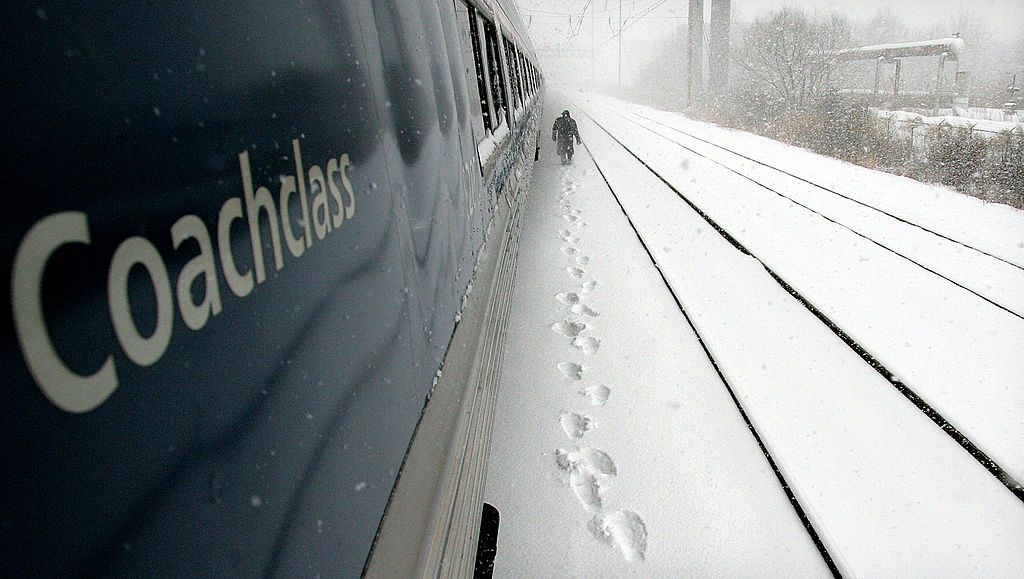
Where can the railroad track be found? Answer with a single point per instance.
(994, 301)
(801, 512)
(832, 191)
(1002, 475)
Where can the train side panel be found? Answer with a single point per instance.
(236, 241)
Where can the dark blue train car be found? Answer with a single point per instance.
(238, 243)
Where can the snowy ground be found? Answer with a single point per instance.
(620, 450)
(954, 348)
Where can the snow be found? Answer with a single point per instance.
(984, 128)
(995, 228)
(996, 280)
(688, 491)
(990, 114)
(646, 406)
(490, 143)
(950, 346)
(953, 46)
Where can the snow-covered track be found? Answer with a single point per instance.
(1000, 473)
(1016, 280)
(793, 499)
(828, 190)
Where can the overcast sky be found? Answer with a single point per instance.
(1005, 17)
(550, 23)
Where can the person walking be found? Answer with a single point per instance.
(563, 132)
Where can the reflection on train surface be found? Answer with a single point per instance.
(240, 243)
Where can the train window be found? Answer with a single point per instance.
(526, 74)
(520, 79)
(483, 72)
(497, 75)
(517, 61)
(513, 73)
(469, 41)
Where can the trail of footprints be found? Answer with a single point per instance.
(586, 469)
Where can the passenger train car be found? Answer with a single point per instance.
(257, 260)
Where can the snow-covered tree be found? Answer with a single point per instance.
(787, 54)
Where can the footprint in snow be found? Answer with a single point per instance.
(570, 218)
(570, 250)
(582, 261)
(583, 310)
(586, 344)
(587, 490)
(584, 467)
(565, 234)
(576, 272)
(585, 459)
(569, 328)
(623, 528)
(598, 394)
(576, 425)
(569, 298)
(587, 287)
(571, 370)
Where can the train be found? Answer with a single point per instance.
(258, 260)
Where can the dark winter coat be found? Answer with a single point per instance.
(563, 132)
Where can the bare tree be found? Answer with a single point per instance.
(788, 54)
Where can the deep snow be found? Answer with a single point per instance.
(617, 448)
(957, 351)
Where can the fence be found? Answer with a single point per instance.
(977, 160)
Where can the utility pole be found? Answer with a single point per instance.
(718, 47)
(593, 33)
(620, 44)
(694, 50)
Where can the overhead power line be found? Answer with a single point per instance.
(583, 12)
(625, 26)
(559, 17)
(555, 13)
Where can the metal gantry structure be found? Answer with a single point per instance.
(947, 50)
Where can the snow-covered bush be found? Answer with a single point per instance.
(956, 157)
(1009, 172)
